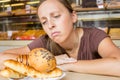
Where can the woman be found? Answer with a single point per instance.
(92, 48)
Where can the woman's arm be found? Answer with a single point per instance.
(108, 65)
(63, 59)
(6, 56)
(19, 51)
(99, 66)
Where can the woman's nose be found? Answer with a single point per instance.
(51, 24)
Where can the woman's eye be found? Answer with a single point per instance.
(43, 22)
(57, 16)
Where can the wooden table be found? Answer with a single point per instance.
(79, 76)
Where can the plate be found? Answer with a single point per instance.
(29, 78)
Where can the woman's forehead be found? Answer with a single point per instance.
(51, 4)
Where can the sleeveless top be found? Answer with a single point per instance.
(88, 46)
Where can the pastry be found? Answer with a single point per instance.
(29, 71)
(42, 60)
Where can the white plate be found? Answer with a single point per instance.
(29, 78)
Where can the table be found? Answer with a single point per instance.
(80, 76)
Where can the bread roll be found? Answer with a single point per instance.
(29, 71)
(42, 60)
(9, 73)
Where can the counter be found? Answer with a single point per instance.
(14, 44)
(80, 76)
(8, 44)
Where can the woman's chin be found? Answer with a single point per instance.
(57, 41)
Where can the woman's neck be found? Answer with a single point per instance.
(73, 42)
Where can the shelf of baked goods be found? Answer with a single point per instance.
(21, 34)
(80, 9)
(31, 10)
(22, 27)
(96, 9)
(18, 12)
(97, 5)
(18, 7)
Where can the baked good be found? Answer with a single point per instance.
(42, 60)
(40, 63)
(23, 59)
(29, 71)
(9, 73)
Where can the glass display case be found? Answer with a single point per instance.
(106, 17)
(19, 22)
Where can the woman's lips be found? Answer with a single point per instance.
(55, 34)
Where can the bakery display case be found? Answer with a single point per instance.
(106, 17)
(19, 23)
(18, 20)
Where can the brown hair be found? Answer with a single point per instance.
(51, 45)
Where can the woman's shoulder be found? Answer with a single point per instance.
(94, 33)
(43, 37)
(93, 29)
(39, 42)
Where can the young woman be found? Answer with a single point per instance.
(85, 50)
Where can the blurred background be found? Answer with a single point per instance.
(19, 23)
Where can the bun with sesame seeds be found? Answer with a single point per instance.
(42, 60)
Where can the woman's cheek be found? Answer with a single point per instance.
(46, 30)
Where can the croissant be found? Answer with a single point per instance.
(29, 71)
(40, 59)
(23, 59)
(9, 73)
(40, 63)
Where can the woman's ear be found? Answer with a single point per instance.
(74, 17)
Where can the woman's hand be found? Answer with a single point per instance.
(64, 67)
(6, 56)
(63, 62)
(64, 59)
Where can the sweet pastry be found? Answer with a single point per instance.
(9, 73)
(42, 60)
(29, 71)
(40, 63)
(23, 59)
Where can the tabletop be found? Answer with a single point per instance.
(80, 76)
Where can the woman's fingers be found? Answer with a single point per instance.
(70, 60)
(65, 61)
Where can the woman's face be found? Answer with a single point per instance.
(56, 20)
